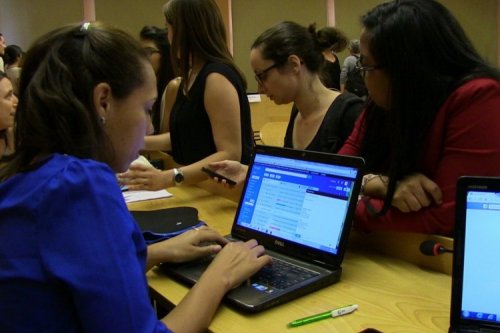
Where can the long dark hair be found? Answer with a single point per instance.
(426, 55)
(198, 30)
(165, 72)
(56, 112)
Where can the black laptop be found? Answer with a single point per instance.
(299, 205)
(475, 301)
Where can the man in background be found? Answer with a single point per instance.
(350, 77)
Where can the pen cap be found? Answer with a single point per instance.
(344, 310)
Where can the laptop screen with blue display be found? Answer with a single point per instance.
(291, 199)
(481, 271)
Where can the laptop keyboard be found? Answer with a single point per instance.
(281, 275)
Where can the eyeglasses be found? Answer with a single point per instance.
(364, 69)
(150, 51)
(261, 76)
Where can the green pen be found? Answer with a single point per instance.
(329, 314)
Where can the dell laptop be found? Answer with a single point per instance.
(300, 206)
(475, 300)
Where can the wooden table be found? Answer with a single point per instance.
(273, 133)
(267, 111)
(393, 295)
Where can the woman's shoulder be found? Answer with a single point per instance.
(477, 100)
(62, 178)
(477, 87)
(174, 83)
(171, 90)
(347, 102)
(67, 161)
(66, 170)
(226, 71)
(223, 69)
(478, 84)
(217, 66)
(474, 92)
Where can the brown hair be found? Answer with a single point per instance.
(198, 30)
(56, 113)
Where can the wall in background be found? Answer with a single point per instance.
(479, 18)
(130, 15)
(249, 18)
(22, 26)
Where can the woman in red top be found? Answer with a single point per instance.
(433, 116)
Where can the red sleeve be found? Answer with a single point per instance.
(352, 144)
(464, 140)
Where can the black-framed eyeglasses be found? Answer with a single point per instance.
(261, 76)
(364, 69)
(150, 50)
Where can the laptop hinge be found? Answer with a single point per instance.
(326, 265)
(475, 329)
(488, 330)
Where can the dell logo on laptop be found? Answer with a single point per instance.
(479, 187)
(279, 243)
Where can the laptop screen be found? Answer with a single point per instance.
(300, 201)
(481, 270)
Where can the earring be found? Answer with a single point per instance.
(103, 120)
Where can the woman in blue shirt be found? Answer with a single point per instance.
(71, 257)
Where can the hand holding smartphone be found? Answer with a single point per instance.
(213, 174)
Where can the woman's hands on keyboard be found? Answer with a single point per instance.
(193, 244)
(236, 262)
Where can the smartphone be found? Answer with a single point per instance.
(212, 174)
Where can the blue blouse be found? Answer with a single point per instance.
(71, 257)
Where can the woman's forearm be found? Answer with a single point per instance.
(158, 142)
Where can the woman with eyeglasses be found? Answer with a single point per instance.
(287, 60)
(72, 258)
(210, 118)
(154, 41)
(431, 117)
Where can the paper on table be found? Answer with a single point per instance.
(253, 98)
(133, 196)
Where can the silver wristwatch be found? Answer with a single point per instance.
(178, 176)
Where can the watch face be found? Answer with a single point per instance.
(179, 178)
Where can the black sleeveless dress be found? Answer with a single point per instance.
(190, 130)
